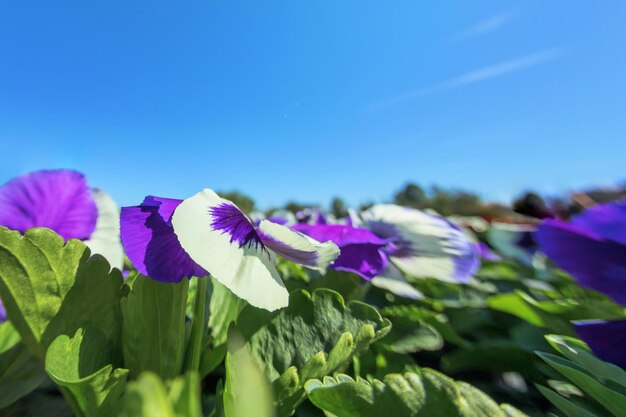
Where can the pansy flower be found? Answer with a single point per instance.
(170, 239)
(62, 201)
(424, 244)
(591, 247)
(605, 338)
(400, 240)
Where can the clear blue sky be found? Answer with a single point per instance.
(311, 99)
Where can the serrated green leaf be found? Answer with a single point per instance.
(436, 320)
(149, 396)
(423, 393)
(315, 336)
(81, 366)
(20, 372)
(50, 289)
(153, 327)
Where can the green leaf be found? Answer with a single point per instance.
(153, 328)
(423, 393)
(612, 400)
(315, 336)
(149, 396)
(20, 372)
(566, 406)
(555, 314)
(224, 308)
(81, 366)
(495, 356)
(247, 392)
(408, 336)
(577, 351)
(50, 289)
(420, 316)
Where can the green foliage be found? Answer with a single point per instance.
(313, 337)
(81, 367)
(603, 384)
(247, 392)
(224, 308)
(557, 313)
(413, 394)
(51, 289)
(338, 207)
(20, 372)
(149, 396)
(444, 201)
(153, 327)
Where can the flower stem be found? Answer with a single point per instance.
(198, 326)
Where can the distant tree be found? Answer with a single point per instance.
(338, 207)
(365, 206)
(531, 204)
(411, 195)
(444, 201)
(295, 207)
(245, 203)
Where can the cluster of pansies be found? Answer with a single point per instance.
(170, 239)
(435, 275)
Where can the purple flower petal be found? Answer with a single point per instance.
(486, 253)
(3, 313)
(361, 250)
(596, 263)
(606, 220)
(605, 338)
(58, 199)
(151, 244)
(296, 246)
(228, 219)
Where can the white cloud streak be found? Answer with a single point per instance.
(482, 74)
(488, 25)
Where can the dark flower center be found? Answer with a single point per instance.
(229, 219)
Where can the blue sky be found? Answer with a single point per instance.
(307, 100)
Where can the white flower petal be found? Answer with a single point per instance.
(244, 267)
(105, 240)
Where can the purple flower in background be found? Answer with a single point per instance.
(362, 252)
(605, 338)
(424, 244)
(591, 247)
(58, 199)
(487, 254)
(62, 201)
(400, 240)
(171, 239)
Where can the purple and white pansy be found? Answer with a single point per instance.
(400, 240)
(424, 244)
(62, 201)
(170, 239)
